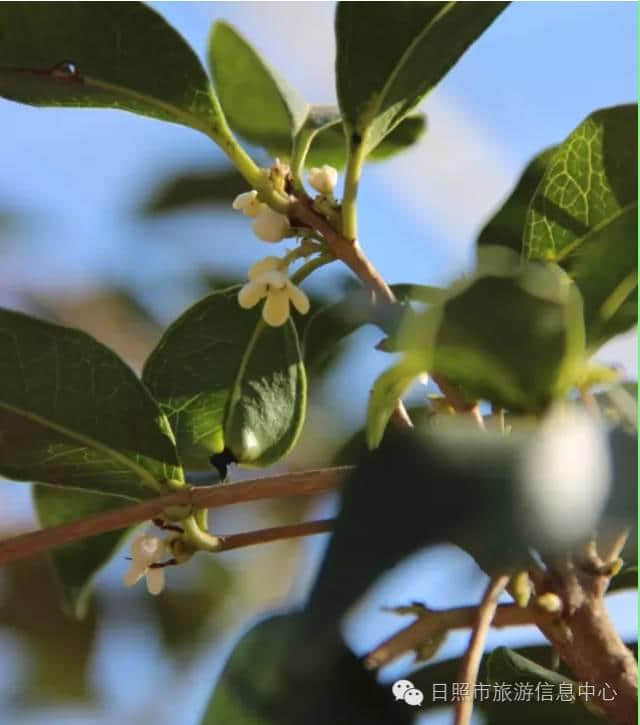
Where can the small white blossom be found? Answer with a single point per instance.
(323, 179)
(267, 279)
(146, 550)
(248, 203)
(269, 225)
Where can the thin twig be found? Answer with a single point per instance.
(473, 656)
(275, 533)
(433, 622)
(305, 483)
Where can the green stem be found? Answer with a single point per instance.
(311, 266)
(301, 146)
(222, 135)
(197, 538)
(352, 178)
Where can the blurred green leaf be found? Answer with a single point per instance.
(268, 401)
(506, 226)
(390, 54)
(215, 187)
(453, 484)
(77, 564)
(584, 216)
(58, 649)
(72, 414)
(511, 334)
(269, 680)
(184, 615)
(434, 678)
(258, 103)
(108, 55)
(224, 379)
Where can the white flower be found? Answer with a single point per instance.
(248, 203)
(269, 225)
(266, 279)
(146, 550)
(323, 179)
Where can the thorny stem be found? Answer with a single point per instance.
(473, 656)
(305, 483)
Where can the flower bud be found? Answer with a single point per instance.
(323, 179)
(270, 226)
(248, 203)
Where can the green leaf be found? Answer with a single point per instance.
(215, 187)
(267, 405)
(329, 145)
(390, 54)
(77, 564)
(584, 216)
(510, 334)
(218, 357)
(271, 678)
(103, 55)
(72, 414)
(258, 103)
(506, 226)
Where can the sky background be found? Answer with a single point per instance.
(78, 176)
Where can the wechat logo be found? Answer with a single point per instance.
(404, 690)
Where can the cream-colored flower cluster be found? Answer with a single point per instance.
(268, 225)
(268, 279)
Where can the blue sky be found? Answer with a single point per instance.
(538, 71)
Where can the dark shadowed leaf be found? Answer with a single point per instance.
(270, 680)
(77, 564)
(584, 216)
(258, 103)
(103, 54)
(203, 357)
(72, 414)
(390, 54)
(507, 225)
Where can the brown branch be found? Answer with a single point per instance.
(586, 639)
(305, 483)
(434, 622)
(275, 533)
(473, 656)
(350, 252)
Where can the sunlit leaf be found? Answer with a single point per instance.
(103, 54)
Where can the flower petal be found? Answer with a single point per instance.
(248, 203)
(276, 309)
(155, 581)
(147, 549)
(264, 265)
(133, 574)
(251, 294)
(298, 298)
(275, 279)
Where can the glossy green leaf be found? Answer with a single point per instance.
(268, 401)
(258, 103)
(77, 564)
(72, 414)
(506, 226)
(390, 54)
(200, 368)
(217, 188)
(272, 678)
(103, 54)
(584, 216)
